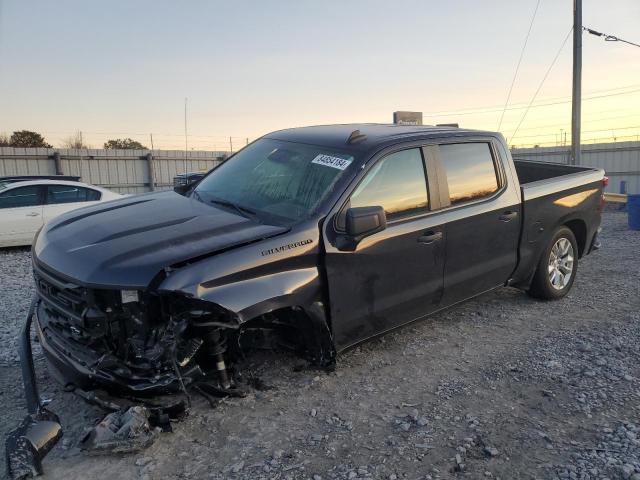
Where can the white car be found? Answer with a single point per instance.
(27, 205)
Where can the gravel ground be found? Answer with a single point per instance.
(502, 386)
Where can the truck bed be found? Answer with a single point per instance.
(530, 171)
(552, 195)
(542, 178)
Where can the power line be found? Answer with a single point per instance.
(542, 82)
(513, 81)
(567, 123)
(608, 90)
(480, 110)
(609, 38)
(588, 131)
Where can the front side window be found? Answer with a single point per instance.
(396, 183)
(20, 197)
(70, 194)
(471, 173)
(278, 181)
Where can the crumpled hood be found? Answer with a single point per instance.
(125, 243)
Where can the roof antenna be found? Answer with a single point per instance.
(356, 137)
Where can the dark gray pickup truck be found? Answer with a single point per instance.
(310, 239)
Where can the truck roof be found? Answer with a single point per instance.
(376, 135)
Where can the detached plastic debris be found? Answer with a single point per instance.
(121, 432)
(28, 444)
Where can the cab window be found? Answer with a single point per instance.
(397, 183)
(70, 194)
(28, 196)
(470, 170)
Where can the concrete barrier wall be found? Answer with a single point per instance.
(620, 160)
(123, 171)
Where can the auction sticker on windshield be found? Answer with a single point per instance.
(333, 162)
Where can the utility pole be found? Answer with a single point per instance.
(577, 82)
(186, 141)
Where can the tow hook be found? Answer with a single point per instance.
(27, 445)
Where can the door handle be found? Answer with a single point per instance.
(32, 214)
(508, 216)
(430, 237)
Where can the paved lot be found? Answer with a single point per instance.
(502, 386)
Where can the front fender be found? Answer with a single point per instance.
(256, 296)
(256, 279)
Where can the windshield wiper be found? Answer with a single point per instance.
(244, 211)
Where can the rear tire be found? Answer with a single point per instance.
(556, 271)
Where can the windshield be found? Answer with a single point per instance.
(274, 179)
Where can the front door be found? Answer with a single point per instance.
(20, 215)
(394, 276)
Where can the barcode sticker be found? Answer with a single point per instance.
(333, 162)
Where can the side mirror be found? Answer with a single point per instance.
(182, 189)
(363, 221)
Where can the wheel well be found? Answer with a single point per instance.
(579, 229)
(304, 329)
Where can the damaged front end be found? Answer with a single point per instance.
(121, 348)
(128, 342)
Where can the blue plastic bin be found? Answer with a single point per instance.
(633, 209)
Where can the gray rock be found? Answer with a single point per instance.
(627, 471)
(142, 461)
(491, 451)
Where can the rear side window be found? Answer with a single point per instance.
(396, 183)
(70, 194)
(471, 172)
(20, 197)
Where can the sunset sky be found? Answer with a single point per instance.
(123, 68)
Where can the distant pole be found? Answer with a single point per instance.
(151, 138)
(186, 144)
(577, 82)
(57, 162)
(151, 171)
(80, 146)
(231, 144)
(247, 140)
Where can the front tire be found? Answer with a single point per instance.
(557, 268)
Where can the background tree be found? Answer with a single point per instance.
(26, 138)
(124, 144)
(74, 141)
(4, 140)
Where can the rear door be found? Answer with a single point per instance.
(394, 276)
(20, 215)
(483, 219)
(62, 198)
